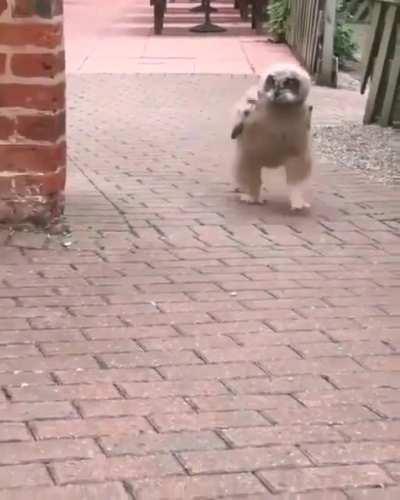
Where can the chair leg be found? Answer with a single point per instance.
(159, 12)
(244, 10)
(257, 16)
(266, 5)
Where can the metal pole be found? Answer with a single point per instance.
(207, 26)
(201, 8)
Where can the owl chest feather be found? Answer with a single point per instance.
(274, 133)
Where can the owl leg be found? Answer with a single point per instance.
(248, 181)
(298, 171)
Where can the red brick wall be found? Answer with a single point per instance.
(32, 110)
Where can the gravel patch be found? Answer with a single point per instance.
(349, 80)
(370, 148)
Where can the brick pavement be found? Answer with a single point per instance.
(180, 345)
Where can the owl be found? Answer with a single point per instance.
(272, 128)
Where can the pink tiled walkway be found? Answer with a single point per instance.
(105, 36)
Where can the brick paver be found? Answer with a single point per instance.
(180, 345)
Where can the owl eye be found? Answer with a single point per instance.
(269, 82)
(292, 83)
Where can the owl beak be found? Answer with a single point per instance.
(277, 94)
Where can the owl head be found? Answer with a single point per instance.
(285, 83)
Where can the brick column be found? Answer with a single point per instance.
(32, 110)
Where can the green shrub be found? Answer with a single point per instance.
(345, 47)
(278, 14)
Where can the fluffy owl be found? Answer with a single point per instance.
(272, 129)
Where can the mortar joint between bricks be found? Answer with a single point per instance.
(224, 383)
(51, 472)
(299, 231)
(139, 343)
(268, 418)
(189, 401)
(17, 301)
(301, 315)
(128, 490)
(268, 486)
(263, 368)
(175, 327)
(293, 395)
(86, 336)
(53, 376)
(153, 425)
(159, 372)
(375, 412)
(296, 351)
(389, 345)
(121, 390)
(70, 312)
(147, 418)
(39, 347)
(233, 338)
(124, 321)
(388, 472)
(382, 308)
(102, 364)
(299, 447)
(7, 395)
(266, 323)
(103, 450)
(357, 362)
(336, 427)
(182, 464)
(326, 300)
(327, 334)
(110, 201)
(106, 300)
(76, 407)
(225, 439)
(31, 429)
(328, 379)
(202, 358)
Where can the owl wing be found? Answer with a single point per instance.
(237, 130)
(309, 116)
(244, 109)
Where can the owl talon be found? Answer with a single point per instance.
(297, 201)
(299, 205)
(251, 200)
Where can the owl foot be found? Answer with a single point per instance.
(297, 201)
(300, 206)
(252, 200)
